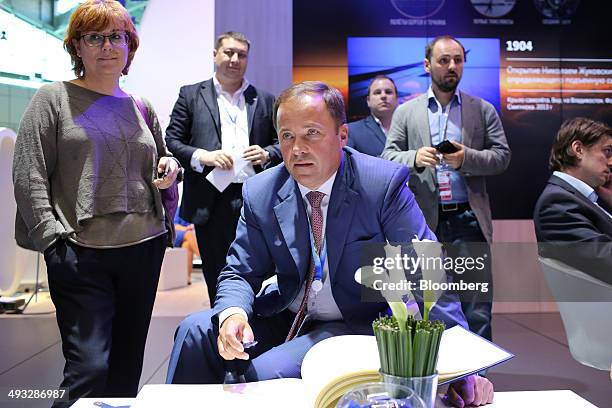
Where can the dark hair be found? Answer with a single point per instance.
(94, 15)
(429, 47)
(586, 131)
(233, 35)
(377, 77)
(332, 97)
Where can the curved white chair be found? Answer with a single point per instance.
(10, 275)
(588, 324)
(174, 272)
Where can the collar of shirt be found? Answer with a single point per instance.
(579, 185)
(325, 188)
(431, 98)
(235, 98)
(379, 124)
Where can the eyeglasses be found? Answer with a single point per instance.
(118, 39)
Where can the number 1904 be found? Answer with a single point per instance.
(519, 45)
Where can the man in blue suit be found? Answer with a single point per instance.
(369, 135)
(307, 222)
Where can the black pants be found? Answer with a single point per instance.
(215, 237)
(104, 300)
(462, 231)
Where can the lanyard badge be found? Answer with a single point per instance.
(318, 260)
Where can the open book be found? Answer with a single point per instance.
(330, 369)
(335, 365)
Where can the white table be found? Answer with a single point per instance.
(114, 402)
(291, 392)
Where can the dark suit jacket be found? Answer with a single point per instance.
(195, 123)
(370, 203)
(366, 136)
(581, 232)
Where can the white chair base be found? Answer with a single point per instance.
(174, 272)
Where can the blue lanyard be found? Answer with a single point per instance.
(317, 258)
(234, 119)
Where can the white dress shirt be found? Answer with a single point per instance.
(234, 127)
(321, 306)
(582, 187)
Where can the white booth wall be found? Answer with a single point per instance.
(176, 43)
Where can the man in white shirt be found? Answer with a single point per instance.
(216, 124)
(573, 216)
(308, 222)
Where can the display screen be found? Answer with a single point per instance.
(539, 62)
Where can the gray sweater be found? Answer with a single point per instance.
(83, 170)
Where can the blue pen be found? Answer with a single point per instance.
(105, 405)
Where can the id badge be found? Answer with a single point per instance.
(446, 194)
(443, 179)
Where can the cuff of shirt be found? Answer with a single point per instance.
(231, 311)
(195, 161)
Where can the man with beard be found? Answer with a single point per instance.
(449, 183)
(369, 135)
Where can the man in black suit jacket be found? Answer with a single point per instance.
(574, 212)
(369, 135)
(213, 124)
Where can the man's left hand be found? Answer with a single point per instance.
(170, 168)
(473, 390)
(255, 154)
(455, 160)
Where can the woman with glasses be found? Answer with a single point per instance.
(88, 195)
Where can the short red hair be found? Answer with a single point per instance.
(96, 15)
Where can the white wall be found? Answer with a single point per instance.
(176, 43)
(268, 24)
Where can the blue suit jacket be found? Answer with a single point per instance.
(370, 203)
(366, 136)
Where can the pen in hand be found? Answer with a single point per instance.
(234, 369)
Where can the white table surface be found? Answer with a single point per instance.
(114, 402)
(177, 396)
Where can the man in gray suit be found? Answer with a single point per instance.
(449, 187)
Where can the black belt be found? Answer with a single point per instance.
(453, 208)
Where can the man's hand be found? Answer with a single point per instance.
(605, 191)
(455, 160)
(473, 390)
(169, 168)
(216, 158)
(234, 331)
(256, 155)
(426, 157)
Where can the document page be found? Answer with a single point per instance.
(222, 178)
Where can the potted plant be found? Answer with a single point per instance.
(407, 345)
(408, 350)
